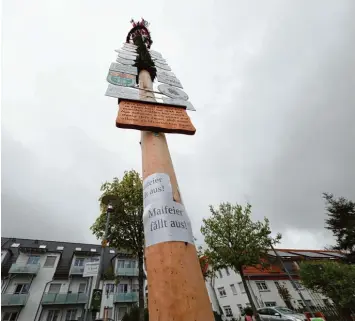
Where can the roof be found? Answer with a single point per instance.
(290, 257)
(66, 254)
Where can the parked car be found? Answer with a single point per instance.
(280, 314)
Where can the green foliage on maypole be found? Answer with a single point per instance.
(144, 60)
(140, 36)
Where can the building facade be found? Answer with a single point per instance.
(43, 281)
(228, 296)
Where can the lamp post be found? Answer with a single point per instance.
(109, 201)
(292, 281)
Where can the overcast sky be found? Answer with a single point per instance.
(272, 82)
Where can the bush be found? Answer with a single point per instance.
(217, 317)
(133, 315)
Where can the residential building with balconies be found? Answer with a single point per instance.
(44, 281)
(121, 291)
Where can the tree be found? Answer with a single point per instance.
(126, 222)
(234, 240)
(285, 295)
(341, 221)
(333, 279)
(134, 314)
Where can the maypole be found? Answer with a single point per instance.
(176, 287)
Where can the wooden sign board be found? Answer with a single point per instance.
(150, 116)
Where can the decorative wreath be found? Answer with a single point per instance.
(139, 35)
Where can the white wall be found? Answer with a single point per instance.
(4, 254)
(107, 300)
(44, 275)
(259, 296)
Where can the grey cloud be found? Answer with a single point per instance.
(273, 87)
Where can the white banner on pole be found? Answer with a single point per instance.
(91, 269)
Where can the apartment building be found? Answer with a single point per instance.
(227, 292)
(43, 280)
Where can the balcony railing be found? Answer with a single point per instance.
(10, 299)
(127, 271)
(125, 297)
(21, 268)
(64, 298)
(76, 270)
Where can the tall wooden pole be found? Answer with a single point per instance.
(176, 288)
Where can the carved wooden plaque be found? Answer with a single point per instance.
(154, 117)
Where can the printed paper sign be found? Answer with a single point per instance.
(164, 219)
(157, 187)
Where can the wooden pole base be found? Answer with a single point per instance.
(176, 288)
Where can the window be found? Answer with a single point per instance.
(93, 250)
(262, 286)
(273, 312)
(22, 288)
(227, 271)
(222, 292)
(297, 285)
(135, 287)
(110, 288)
(234, 290)
(71, 314)
(122, 288)
(264, 311)
(79, 261)
(228, 311)
(112, 251)
(130, 264)
(54, 288)
(50, 261)
(241, 287)
(15, 245)
(120, 264)
(220, 274)
(33, 259)
(60, 248)
(270, 304)
(78, 249)
(82, 288)
(240, 307)
(53, 315)
(42, 246)
(10, 316)
(95, 259)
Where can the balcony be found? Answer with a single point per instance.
(125, 297)
(127, 271)
(76, 270)
(23, 268)
(64, 298)
(10, 299)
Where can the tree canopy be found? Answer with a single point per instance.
(234, 240)
(126, 222)
(333, 279)
(341, 221)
